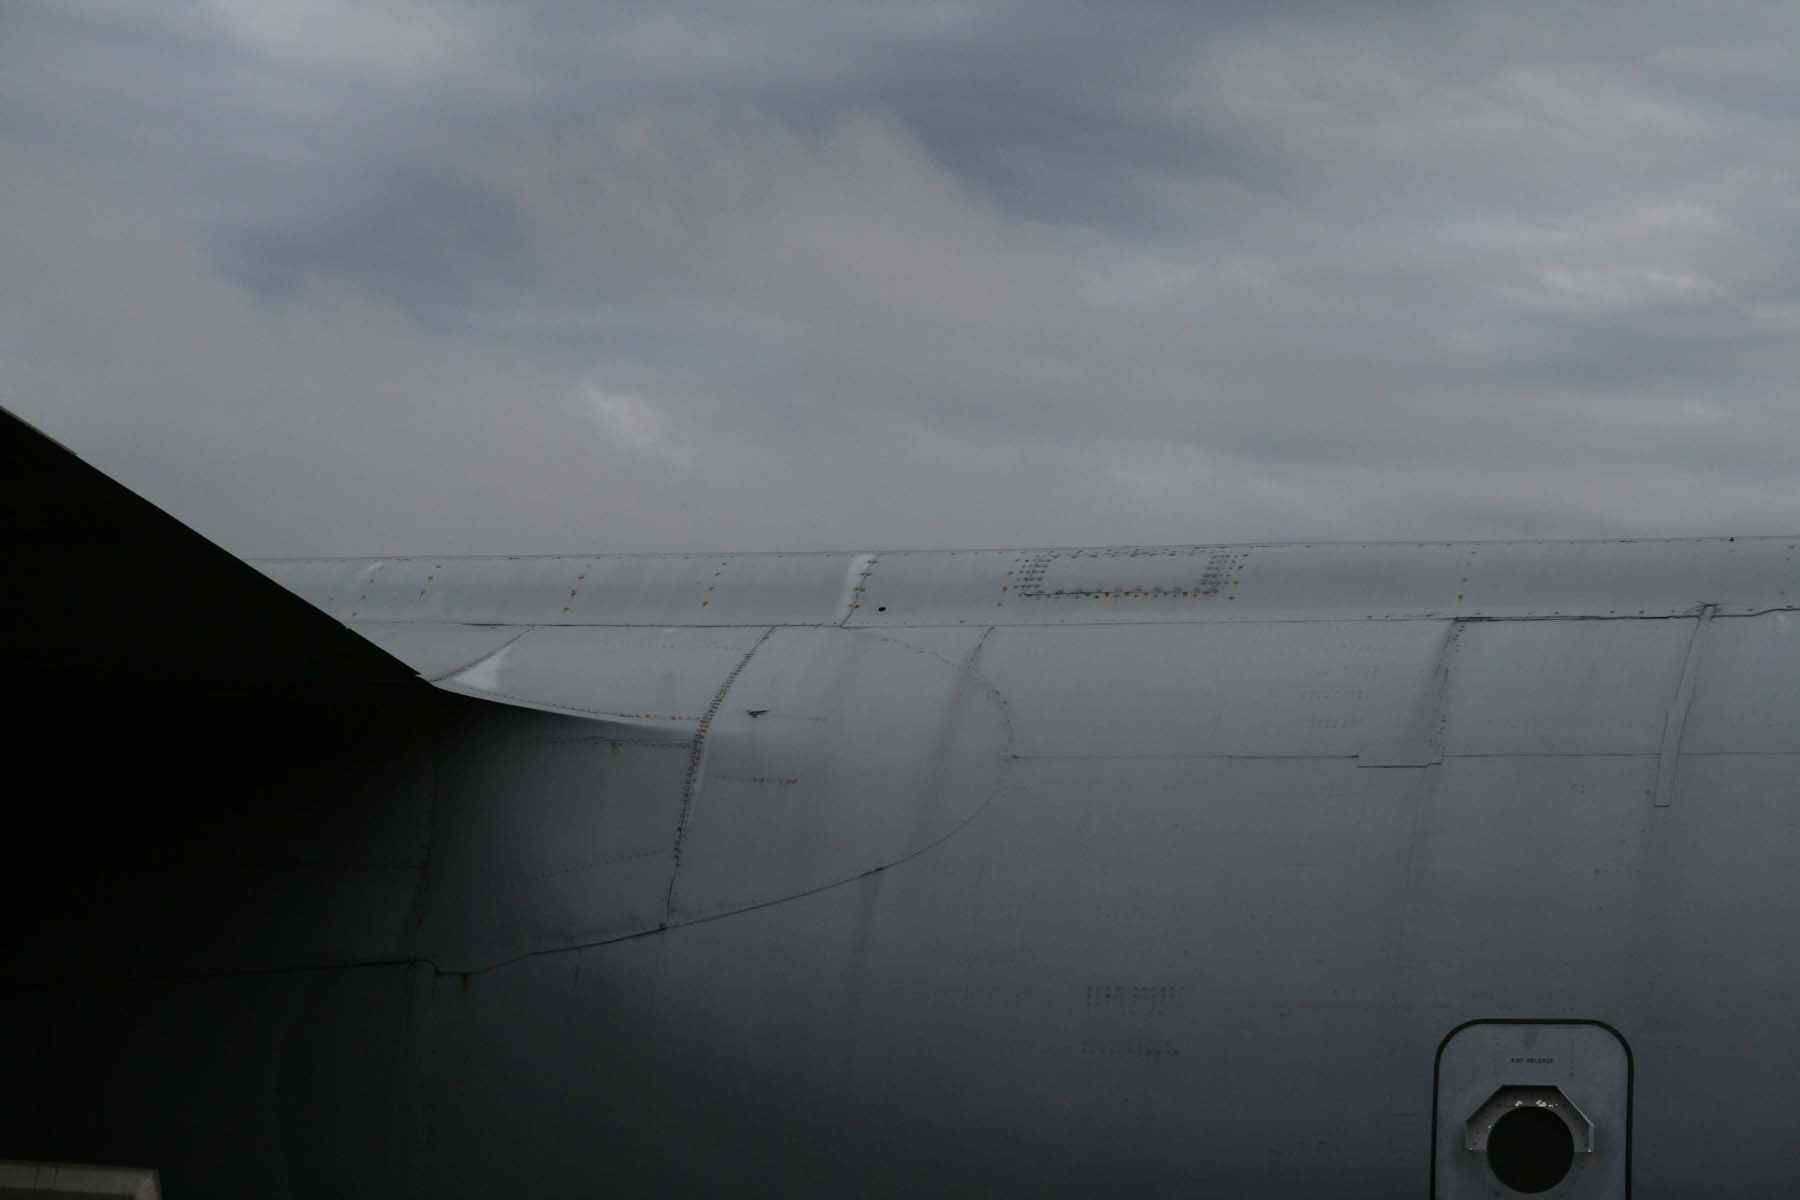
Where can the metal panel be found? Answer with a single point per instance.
(1380, 580)
(1563, 687)
(835, 753)
(1747, 692)
(643, 677)
(339, 586)
(479, 591)
(1282, 689)
(1525, 883)
(548, 832)
(1578, 1075)
(1710, 1014)
(1069, 996)
(436, 649)
(1107, 585)
(1131, 573)
(742, 589)
(1645, 577)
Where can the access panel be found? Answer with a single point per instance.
(1532, 1108)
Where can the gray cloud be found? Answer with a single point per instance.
(336, 278)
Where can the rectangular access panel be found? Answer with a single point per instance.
(1532, 1108)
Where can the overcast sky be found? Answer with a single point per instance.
(369, 278)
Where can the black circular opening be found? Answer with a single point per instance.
(1530, 1149)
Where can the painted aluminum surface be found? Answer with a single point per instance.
(1088, 586)
(1578, 1072)
(1156, 871)
(1212, 847)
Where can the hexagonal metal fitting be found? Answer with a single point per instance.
(1504, 1100)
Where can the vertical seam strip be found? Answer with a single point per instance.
(1669, 756)
(690, 782)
